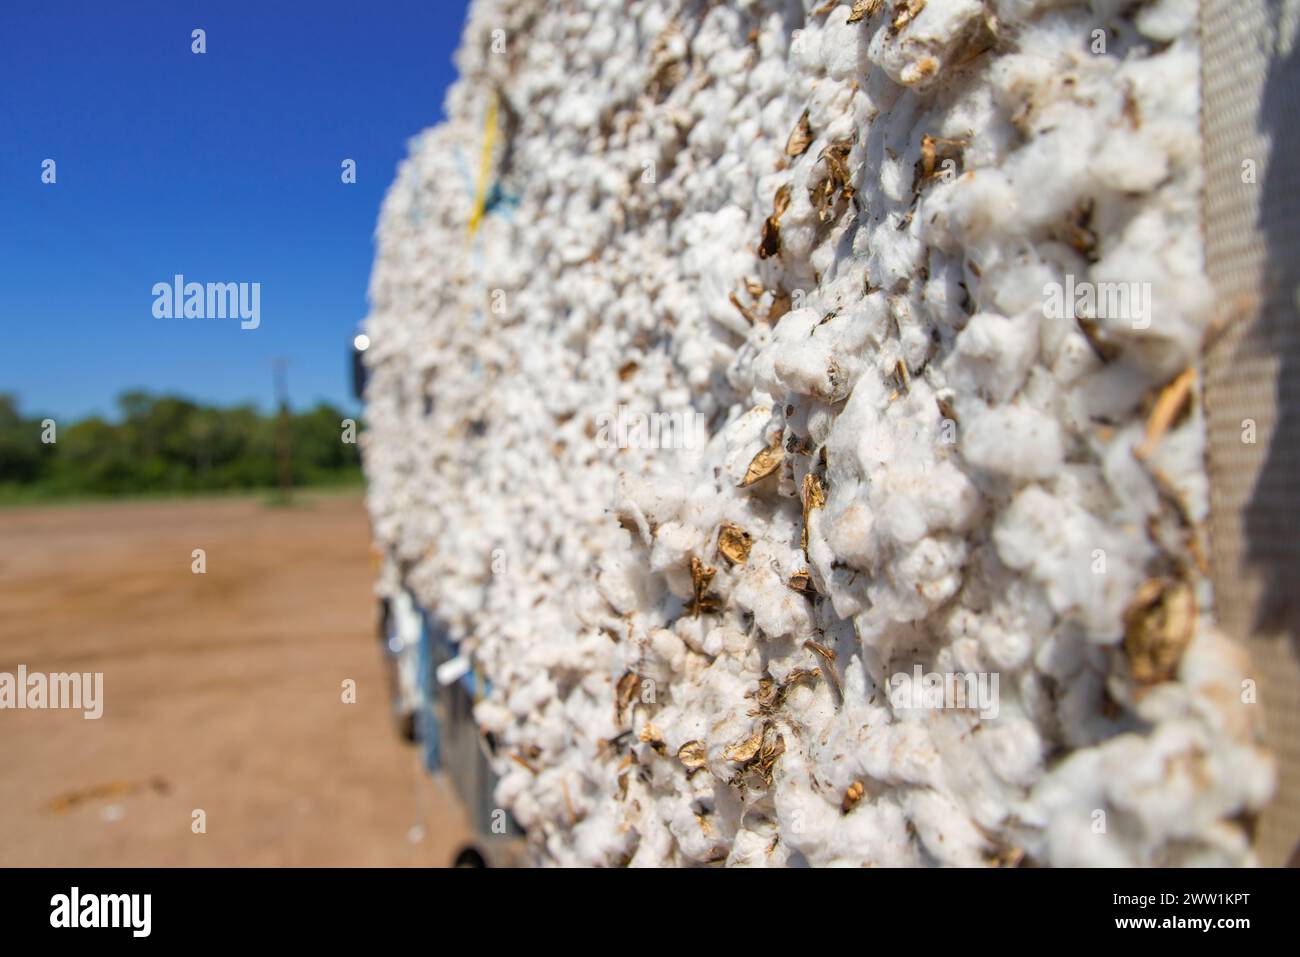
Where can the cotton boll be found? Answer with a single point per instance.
(618, 586)
(654, 848)
(807, 819)
(1013, 748)
(1069, 809)
(527, 697)
(979, 204)
(932, 567)
(914, 56)
(1089, 570)
(674, 544)
(1014, 441)
(778, 610)
(1129, 164)
(492, 717)
(806, 48)
(841, 47)
(1166, 20)
(669, 648)
(1058, 166)
(766, 80)
(850, 535)
(758, 848)
(947, 834)
(993, 354)
(807, 367)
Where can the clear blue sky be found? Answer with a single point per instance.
(224, 167)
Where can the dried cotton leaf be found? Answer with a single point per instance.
(1158, 625)
(863, 9)
(693, 755)
(745, 751)
(701, 578)
(763, 464)
(734, 543)
(814, 496)
(904, 13)
(801, 137)
(625, 693)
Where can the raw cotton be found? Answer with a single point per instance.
(805, 350)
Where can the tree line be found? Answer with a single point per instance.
(162, 444)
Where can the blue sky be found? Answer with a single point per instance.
(224, 167)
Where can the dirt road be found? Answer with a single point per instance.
(222, 692)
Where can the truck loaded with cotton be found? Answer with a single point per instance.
(785, 430)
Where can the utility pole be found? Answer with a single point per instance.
(282, 439)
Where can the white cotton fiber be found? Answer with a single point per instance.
(745, 404)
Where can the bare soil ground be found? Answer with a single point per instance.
(222, 691)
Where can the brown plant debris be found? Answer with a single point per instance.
(744, 310)
(771, 696)
(801, 137)
(901, 373)
(1171, 405)
(772, 748)
(1007, 857)
(745, 750)
(625, 694)
(769, 243)
(757, 754)
(734, 543)
(668, 71)
(980, 40)
(693, 755)
(905, 11)
(1106, 350)
(814, 496)
(828, 655)
(935, 152)
(781, 201)
(1171, 496)
(852, 796)
(72, 799)
(652, 736)
(1077, 231)
(701, 579)
(863, 9)
(781, 304)
(821, 650)
(1132, 110)
(523, 762)
(767, 696)
(802, 583)
(1158, 625)
(831, 191)
(705, 824)
(763, 464)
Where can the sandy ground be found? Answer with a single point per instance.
(222, 692)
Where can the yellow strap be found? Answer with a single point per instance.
(485, 163)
